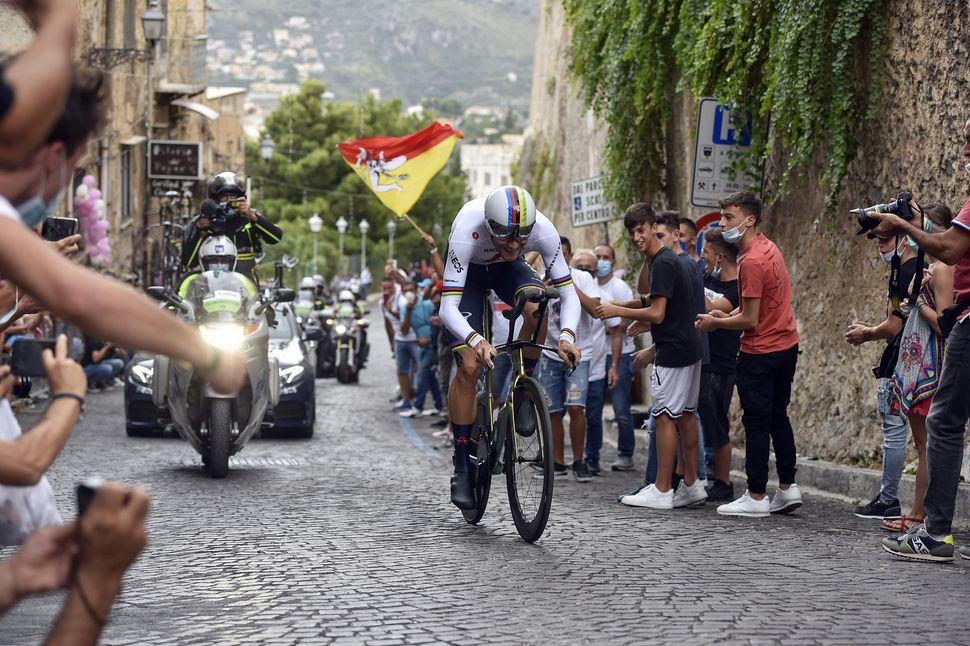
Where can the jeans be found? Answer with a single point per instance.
(650, 473)
(894, 438)
(626, 441)
(945, 426)
(407, 353)
(103, 372)
(428, 378)
(764, 388)
(501, 376)
(595, 398)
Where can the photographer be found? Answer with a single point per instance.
(950, 409)
(228, 191)
(88, 557)
(900, 254)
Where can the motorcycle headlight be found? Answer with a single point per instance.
(224, 337)
(341, 329)
(291, 374)
(142, 374)
(329, 321)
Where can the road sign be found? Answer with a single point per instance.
(589, 204)
(175, 160)
(717, 149)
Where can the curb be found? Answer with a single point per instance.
(851, 485)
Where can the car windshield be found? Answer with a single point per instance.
(283, 330)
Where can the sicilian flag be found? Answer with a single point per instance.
(398, 169)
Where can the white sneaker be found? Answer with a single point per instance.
(785, 501)
(430, 412)
(691, 495)
(746, 506)
(409, 412)
(650, 497)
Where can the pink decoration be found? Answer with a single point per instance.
(88, 181)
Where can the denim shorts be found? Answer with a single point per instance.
(406, 353)
(563, 388)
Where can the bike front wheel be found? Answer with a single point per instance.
(528, 460)
(480, 449)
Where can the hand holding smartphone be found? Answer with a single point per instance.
(55, 229)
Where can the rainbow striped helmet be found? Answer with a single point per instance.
(510, 213)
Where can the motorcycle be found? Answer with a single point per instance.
(230, 317)
(349, 344)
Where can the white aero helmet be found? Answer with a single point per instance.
(218, 252)
(346, 296)
(510, 213)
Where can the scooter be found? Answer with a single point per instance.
(230, 318)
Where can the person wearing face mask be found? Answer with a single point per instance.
(617, 291)
(407, 352)
(885, 505)
(766, 363)
(721, 293)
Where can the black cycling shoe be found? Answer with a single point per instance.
(463, 491)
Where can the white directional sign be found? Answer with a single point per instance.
(589, 204)
(717, 149)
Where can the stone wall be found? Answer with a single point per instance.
(914, 142)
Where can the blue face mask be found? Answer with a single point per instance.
(603, 268)
(716, 271)
(33, 211)
(733, 235)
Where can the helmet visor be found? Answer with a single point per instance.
(509, 233)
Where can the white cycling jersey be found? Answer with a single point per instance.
(470, 244)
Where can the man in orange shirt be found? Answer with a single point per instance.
(766, 363)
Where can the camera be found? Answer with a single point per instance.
(899, 206)
(86, 491)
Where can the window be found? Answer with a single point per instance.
(125, 184)
(488, 179)
(129, 24)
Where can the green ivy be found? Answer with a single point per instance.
(804, 70)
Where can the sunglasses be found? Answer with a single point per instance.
(502, 231)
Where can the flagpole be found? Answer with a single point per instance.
(413, 224)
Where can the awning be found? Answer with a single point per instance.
(198, 108)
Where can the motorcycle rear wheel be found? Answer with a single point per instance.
(220, 426)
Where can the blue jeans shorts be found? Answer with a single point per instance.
(562, 388)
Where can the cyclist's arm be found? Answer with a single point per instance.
(456, 270)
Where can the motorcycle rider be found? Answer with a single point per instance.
(304, 305)
(218, 253)
(228, 188)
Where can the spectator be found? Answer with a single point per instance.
(688, 240)
(885, 505)
(34, 84)
(675, 380)
(406, 349)
(102, 307)
(950, 409)
(88, 557)
(602, 375)
(917, 374)
(616, 290)
(721, 289)
(420, 320)
(766, 363)
(102, 362)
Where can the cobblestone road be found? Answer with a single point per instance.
(350, 538)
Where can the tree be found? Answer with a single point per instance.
(307, 175)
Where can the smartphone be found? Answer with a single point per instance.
(55, 229)
(26, 360)
(86, 491)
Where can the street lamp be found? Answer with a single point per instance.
(436, 230)
(153, 26)
(341, 230)
(153, 23)
(266, 148)
(364, 227)
(391, 228)
(316, 223)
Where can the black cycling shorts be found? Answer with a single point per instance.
(506, 279)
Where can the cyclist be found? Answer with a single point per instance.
(228, 188)
(485, 252)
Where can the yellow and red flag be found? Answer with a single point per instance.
(398, 169)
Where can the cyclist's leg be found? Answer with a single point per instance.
(509, 279)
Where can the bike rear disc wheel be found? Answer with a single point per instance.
(528, 462)
(479, 448)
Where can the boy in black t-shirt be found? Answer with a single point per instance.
(675, 378)
(721, 291)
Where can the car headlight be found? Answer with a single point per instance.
(341, 329)
(224, 337)
(142, 374)
(291, 374)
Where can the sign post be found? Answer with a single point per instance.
(716, 151)
(178, 160)
(590, 205)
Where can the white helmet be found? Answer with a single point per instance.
(218, 252)
(346, 295)
(510, 213)
(307, 283)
